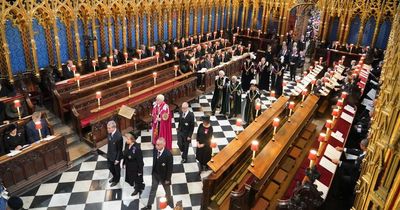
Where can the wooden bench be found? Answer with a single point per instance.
(230, 162)
(268, 178)
(69, 91)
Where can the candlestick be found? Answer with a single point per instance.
(109, 71)
(215, 34)
(259, 32)
(322, 142)
(339, 104)
(155, 77)
(304, 93)
(213, 145)
(273, 93)
(17, 104)
(38, 126)
(291, 107)
(98, 96)
(238, 124)
(335, 114)
(328, 126)
(258, 107)
(312, 156)
(135, 62)
(157, 56)
(78, 78)
(275, 124)
(129, 85)
(248, 31)
(163, 203)
(254, 148)
(111, 58)
(94, 65)
(176, 70)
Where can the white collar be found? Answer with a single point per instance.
(112, 134)
(161, 151)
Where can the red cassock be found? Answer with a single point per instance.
(161, 124)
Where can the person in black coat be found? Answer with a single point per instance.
(294, 60)
(13, 140)
(220, 96)
(235, 98)
(264, 74)
(203, 138)
(133, 162)
(252, 98)
(161, 173)
(118, 58)
(247, 74)
(114, 152)
(30, 128)
(185, 130)
(67, 70)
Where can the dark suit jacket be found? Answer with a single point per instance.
(162, 166)
(67, 74)
(186, 125)
(33, 134)
(360, 156)
(114, 147)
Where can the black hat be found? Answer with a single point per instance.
(205, 118)
(15, 203)
(10, 128)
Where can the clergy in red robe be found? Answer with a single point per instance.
(161, 122)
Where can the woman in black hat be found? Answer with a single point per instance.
(204, 135)
(13, 140)
(133, 161)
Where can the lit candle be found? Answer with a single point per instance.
(254, 149)
(176, 70)
(273, 94)
(38, 126)
(312, 156)
(304, 94)
(73, 69)
(328, 126)
(322, 142)
(152, 48)
(313, 82)
(78, 78)
(176, 52)
(157, 56)
(139, 52)
(215, 34)
(344, 95)
(258, 107)
(155, 77)
(129, 85)
(339, 103)
(111, 58)
(163, 203)
(275, 124)
(17, 105)
(291, 107)
(213, 145)
(335, 114)
(98, 96)
(135, 60)
(94, 65)
(126, 57)
(109, 68)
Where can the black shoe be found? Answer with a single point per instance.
(113, 184)
(111, 180)
(183, 161)
(148, 207)
(136, 192)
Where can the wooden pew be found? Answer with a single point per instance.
(175, 91)
(68, 92)
(23, 99)
(230, 162)
(272, 168)
(231, 68)
(34, 164)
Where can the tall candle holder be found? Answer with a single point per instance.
(213, 145)
(98, 97)
(254, 149)
(238, 124)
(17, 105)
(129, 85)
(38, 126)
(155, 77)
(291, 107)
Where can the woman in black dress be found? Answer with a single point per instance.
(133, 161)
(204, 135)
(13, 140)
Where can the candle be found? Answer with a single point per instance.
(129, 85)
(94, 65)
(176, 52)
(275, 124)
(291, 107)
(258, 107)
(155, 77)
(322, 137)
(237, 29)
(254, 149)
(126, 57)
(335, 114)
(322, 142)
(239, 122)
(303, 93)
(339, 103)
(109, 71)
(163, 203)
(328, 126)
(77, 79)
(259, 32)
(213, 143)
(152, 48)
(73, 69)
(111, 58)
(17, 105)
(135, 62)
(38, 126)
(157, 56)
(139, 52)
(98, 96)
(312, 156)
(273, 93)
(344, 95)
(215, 34)
(176, 70)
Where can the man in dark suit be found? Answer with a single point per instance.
(161, 173)
(118, 58)
(67, 70)
(185, 130)
(114, 152)
(30, 128)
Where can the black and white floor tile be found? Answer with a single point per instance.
(85, 186)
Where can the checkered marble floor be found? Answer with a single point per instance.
(85, 186)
